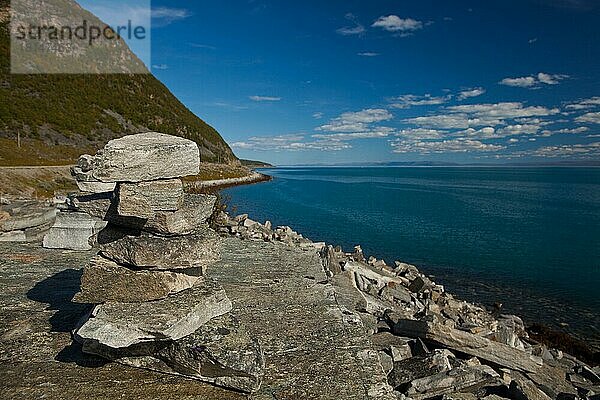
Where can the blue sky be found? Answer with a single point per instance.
(362, 81)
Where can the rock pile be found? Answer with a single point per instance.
(155, 308)
(432, 344)
(25, 220)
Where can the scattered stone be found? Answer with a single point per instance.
(73, 231)
(147, 251)
(522, 388)
(121, 325)
(468, 343)
(455, 380)
(414, 368)
(146, 157)
(105, 281)
(142, 199)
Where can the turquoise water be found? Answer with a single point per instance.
(526, 237)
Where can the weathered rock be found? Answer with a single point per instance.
(147, 251)
(414, 368)
(468, 343)
(455, 380)
(73, 231)
(104, 280)
(121, 325)
(13, 236)
(522, 388)
(142, 199)
(192, 216)
(88, 184)
(220, 352)
(24, 215)
(146, 157)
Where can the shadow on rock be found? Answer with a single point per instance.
(57, 291)
(73, 354)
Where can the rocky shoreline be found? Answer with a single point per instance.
(181, 287)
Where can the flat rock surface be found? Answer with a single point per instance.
(146, 157)
(37, 355)
(120, 325)
(314, 347)
(104, 280)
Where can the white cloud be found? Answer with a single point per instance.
(292, 142)
(590, 150)
(317, 115)
(534, 82)
(356, 29)
(479, 115)
(163, 16)
(569, 131)
(466, 94)
(368, 133)
(421, 134)
(444, 146)
(356, 121)
(591, 117)
(527, 81)
(585, 103)
(368, 54)
(393, 23)
(410, 100)
(160, 66)
(533, 40)
(264, 98)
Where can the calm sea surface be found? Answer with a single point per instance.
(526, 237)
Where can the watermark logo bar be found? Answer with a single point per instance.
(62, 37)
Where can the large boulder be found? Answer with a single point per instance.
(142, 199)
(121, 325)
(104, 281)
(147, 251)
(220, 352)
(73, 231)
(146, 157)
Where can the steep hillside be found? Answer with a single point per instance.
(58, 117)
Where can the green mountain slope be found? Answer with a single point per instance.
(58, 117)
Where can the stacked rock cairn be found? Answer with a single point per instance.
(154, 306)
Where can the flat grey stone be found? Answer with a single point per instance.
(120, 325)
(468, 343)
(220, 352)
(73, 231)
(88, 184)
(147, 251)
(146, 157)
(23, 215)
(104, 281)
(142, 199)
(13, 236)
(456, 380)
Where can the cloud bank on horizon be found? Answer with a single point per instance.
(380, 82)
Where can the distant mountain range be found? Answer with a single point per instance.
(58, 117)
(588, 163)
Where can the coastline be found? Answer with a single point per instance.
(218, 184)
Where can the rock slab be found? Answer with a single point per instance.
(220, 352)
(142, 199)
(148, 251)
(146, 157)
(73, 231)
(121, 325)
(105, 281)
